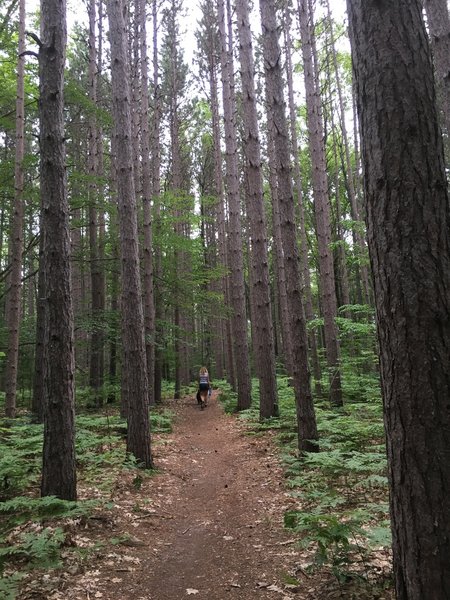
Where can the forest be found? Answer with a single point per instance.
(258, 188)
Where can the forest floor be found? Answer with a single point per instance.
(208, 524)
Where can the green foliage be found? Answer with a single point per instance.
(23, 509)
(8, 585)
(40, 550)
(101, 458)
(341, 491)
(38, 547)
(20, 446)
(226, 396)
(336, 539)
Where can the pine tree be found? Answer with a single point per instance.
(58, 469)
(262, 312)
(134, 362)
(408, 219)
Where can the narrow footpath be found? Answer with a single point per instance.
(217, 531)
(209, 524)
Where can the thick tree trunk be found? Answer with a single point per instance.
(408, 218)
(15, 250)
(58, 470)
(306, 420)
(235, 258)
(134, 364)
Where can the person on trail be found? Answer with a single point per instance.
(204, 382)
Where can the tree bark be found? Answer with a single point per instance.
(138, 439)
(306, 420)
(262, 312)
(321, 205)
(58, 469)
(96, 360)
(156, 185)
(235, 258)
(306, 277)
(149, 305)
(16, 246)
(408, 219)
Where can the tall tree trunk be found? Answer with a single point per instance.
(359, 238)
(408, 218)
(149, 306)
(306, 277)
(321, 204)
(101, 195)
(280, 271)
(38, 398)
(58, 469)
(15, 287)
(220, 342)
(138, 439)
(156, 167)
(306, 420)
(96, 351)
(262, 311)
(342, 282)
(235, 259)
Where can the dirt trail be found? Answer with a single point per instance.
(217, 530)
(208, 525)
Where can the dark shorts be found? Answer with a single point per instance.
(203, 386)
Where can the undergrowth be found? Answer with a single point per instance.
(32, 529)
(340, 495)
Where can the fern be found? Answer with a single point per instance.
(40, 550)
(23, 509)
(8, 585)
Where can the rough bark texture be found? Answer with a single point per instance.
(134, 364)
(219, 344)
(262, 312)
(235, 258)
(96, 359)
(58, 470)
(280, 273)
(37, 403)
(321, 205)
(307, 428)
(156, 185)
(174, 85)
(306, 277)
(408, 220)
(15, 250)
(149, 305)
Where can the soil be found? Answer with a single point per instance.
(209, 524)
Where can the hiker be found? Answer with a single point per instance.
(204, 383)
